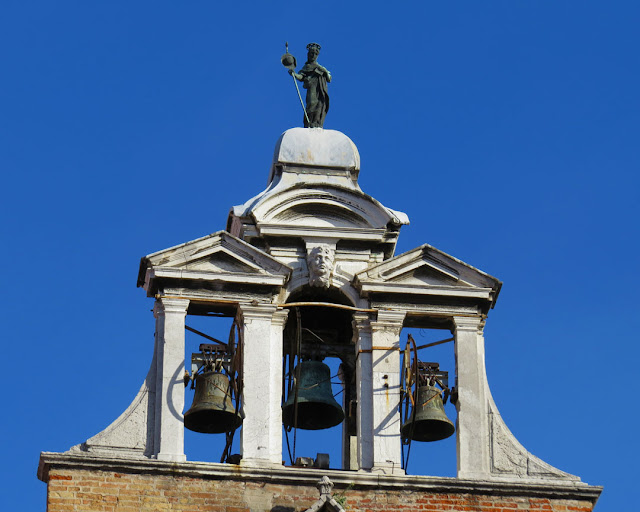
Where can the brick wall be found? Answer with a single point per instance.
(113, 491)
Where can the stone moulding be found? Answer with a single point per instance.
(296, 476)
(426, 265)
(312, 192)
(328, 205)
(219, 257)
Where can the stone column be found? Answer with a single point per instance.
(473, 413)
(169, 423)
(349, 425)
(364, 390)
(262, 384)
(385, 339)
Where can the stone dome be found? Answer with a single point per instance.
(317, 147)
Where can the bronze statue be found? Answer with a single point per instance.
(314, 78)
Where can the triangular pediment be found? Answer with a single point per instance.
(216, 257)
(426, 274)
(427, 271)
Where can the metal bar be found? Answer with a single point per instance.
(369, 350)
(313, 334)
(435, 343)
(210, 338)
(326, 304)
(196, 300)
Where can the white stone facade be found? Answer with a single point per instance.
(260, 264)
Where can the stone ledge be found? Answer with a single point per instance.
(296, 476)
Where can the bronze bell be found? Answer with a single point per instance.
(317, 409)
(430, 422)
(212, 411)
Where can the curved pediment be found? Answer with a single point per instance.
(313, 193)
(326, 205)
(321, 214)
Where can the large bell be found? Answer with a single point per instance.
(212, 411)
(317, 409)
(431, 422)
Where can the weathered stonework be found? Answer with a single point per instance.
(311, 238)
(89, 483)
(509, 458)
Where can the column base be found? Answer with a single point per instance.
(172, 457)
(260, 463)
(388, 469)
(470, 475)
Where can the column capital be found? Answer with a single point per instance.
(389, 320)
(361, 325)
(469, 324)
(170, 305)
(279, 317)
(361, 320)
(257, 311)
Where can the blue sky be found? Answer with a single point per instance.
(506, 130)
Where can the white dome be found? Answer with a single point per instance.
(317, 147)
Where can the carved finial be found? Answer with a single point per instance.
(324, 486)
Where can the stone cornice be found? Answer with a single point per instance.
(423, 289)
(219, 257)
(228, 277)
(426, 272)
(329, 232)
(310, 477)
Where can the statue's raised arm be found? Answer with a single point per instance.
(314, 78)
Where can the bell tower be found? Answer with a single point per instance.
(308, 274)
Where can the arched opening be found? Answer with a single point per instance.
(430, 456)
(202, 445)
(318, 340)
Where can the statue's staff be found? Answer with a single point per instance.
(289, 62)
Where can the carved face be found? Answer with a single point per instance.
(320, 262)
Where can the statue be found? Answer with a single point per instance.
(320, 262)
(314, 78)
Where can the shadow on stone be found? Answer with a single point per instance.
(280, 508)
